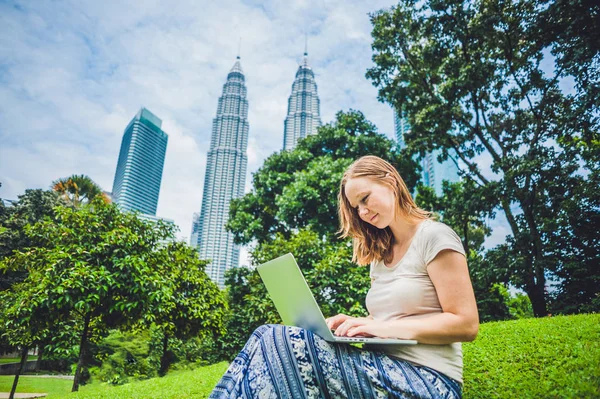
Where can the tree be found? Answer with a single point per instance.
(238, 324)
(25, 324)
(472, 78)
(195, 306)
(571, 30)
(78, 189)
(577, 250)
(31, 207)
(94, 264)
(23, 335)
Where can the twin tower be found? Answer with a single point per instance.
(227, 161)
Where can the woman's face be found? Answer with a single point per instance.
(374, 202)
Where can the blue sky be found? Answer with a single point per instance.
(74, 73)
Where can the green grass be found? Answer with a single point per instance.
(177, 384)
(4, 360)
(55, 387)
(555, 357)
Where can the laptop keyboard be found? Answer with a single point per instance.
(350, 339)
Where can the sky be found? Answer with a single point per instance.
(74, 73)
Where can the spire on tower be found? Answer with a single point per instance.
(305, 58)
(303, 116)
(305, 44)
(237, 67)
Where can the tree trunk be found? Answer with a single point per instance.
(538, 299)
(40, 356)
(164, 361)
(534, 276)
(82, 353)
(19, 372)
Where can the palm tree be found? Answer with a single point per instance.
(78, 189)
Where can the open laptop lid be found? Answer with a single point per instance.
(296, 304)
(292, 297)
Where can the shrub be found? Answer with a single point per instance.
(125, 356)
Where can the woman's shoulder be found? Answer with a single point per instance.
(436, 236)
(432, 228)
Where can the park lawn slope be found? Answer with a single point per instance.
(175, 385)
(551, 357)
(55, 387)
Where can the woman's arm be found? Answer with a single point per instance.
(458, 322)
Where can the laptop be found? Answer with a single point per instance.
(297, 306)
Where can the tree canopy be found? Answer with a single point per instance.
(106, 269)
(486, 80)
(30, 208)
(78, 189)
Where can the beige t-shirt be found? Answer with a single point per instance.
(405, 290)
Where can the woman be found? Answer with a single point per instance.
(420, 289)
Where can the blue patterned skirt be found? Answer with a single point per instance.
(290, 362)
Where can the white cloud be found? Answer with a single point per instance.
(181, 187)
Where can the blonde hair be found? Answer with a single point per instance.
(369, 242)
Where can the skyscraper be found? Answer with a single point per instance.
(303, 116)
(401, 127)
(140, 166)
(195, 229)
(434, 172)
(225, 176)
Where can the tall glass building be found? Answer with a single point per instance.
(225, 176)
(303, 116)
(140, 166)
(195, 229)
(434, 172)
(401, 127)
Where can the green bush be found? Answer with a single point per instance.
(126, 356)
(191, 354)
(520, 306)
(123, 357)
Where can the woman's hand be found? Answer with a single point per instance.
(344, 325)
(335, 321)
(361, 327)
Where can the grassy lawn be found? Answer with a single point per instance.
(15, 359)
(177, 384)
(555, 357)
(55, 387)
